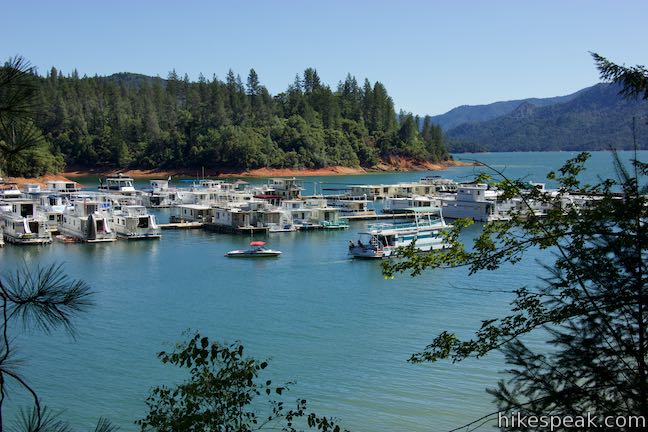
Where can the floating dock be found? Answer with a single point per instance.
(226, 229)
(181, 225)
(381, 216)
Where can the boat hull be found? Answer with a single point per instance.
(246, 254)
(26, 239)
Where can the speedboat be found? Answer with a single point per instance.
(257, 250)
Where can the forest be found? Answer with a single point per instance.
(135, 121)
(595, 118)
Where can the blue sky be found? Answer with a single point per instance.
(431, 55)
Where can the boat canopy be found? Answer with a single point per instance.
(423, 209)
(257, 243)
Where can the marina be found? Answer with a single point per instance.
(117, 209)
(353, 216)
(313, 305)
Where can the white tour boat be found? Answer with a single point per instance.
(382, 240)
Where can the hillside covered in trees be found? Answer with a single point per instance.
(136, 121)
(481, 113)
(595, 118)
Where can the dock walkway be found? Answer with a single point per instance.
(181, 225)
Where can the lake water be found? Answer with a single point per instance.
(333, 325)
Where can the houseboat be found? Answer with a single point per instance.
(350, 205)
(86, 221)
(22, 225)
(120, 184)
(62, 186)
(382, 240)
(133, 222)
(9, 190)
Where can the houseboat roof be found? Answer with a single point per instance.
(423, 209)
(194, 206)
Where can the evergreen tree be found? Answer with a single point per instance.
(149, 122)
(593, 304)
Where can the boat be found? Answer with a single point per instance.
(258, 250)
(23, 225)
(9, 190)
(382, 240)
(120, 184)
(133, 222)
(87, 221)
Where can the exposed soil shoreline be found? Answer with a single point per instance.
(399, 165)
(393, 165)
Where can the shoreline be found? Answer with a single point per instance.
(393, 166)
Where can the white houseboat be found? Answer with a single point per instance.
(22, 225)
(62, 186)
(87, 222)
(475, 201)
(191, 213)
(133, 222)
(120, 184)
(9, 190)
(382, 240)
(350, 205)
(403, 204)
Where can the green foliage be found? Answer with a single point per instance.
(44, 298)
(593, 303)
(222, 386)
(632, 79)
(23, 150)
(132, 121)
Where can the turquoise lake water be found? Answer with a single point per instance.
(333, 325)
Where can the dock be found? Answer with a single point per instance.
(181, 225)
(226, 229)
(381, 216)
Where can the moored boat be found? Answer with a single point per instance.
(120, 184)
(22, 225)
(86, 222)
(133, 222)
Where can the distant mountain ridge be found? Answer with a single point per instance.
(595, 118)
(480, 113)
(133, 79)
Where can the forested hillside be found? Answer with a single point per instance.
(481, 113)
(129, 120)
(598, 118)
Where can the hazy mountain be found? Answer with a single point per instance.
(595, 118)
(481, 113)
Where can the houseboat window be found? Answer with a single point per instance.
(25, 210)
